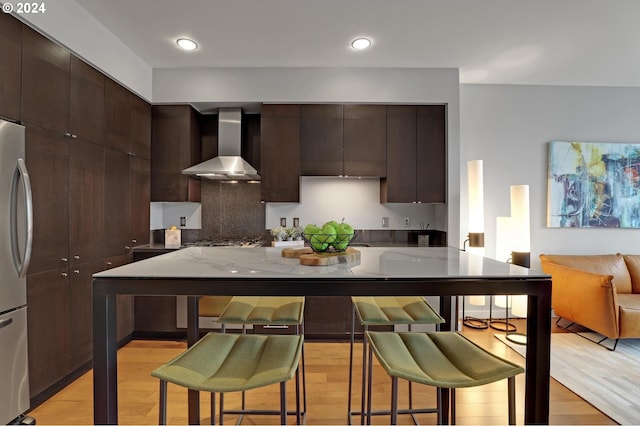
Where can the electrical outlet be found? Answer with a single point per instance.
(406, 222)
(385, 222)
(183, 221)
(283, 221)
(296, 222)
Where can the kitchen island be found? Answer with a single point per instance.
(381, 271)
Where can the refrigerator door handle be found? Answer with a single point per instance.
(5, 322)
(20, 260)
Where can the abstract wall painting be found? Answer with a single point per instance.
(594, 185)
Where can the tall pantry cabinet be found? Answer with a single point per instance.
(88, 154)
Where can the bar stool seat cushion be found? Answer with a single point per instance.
(263, 310)
(443, 359)
(234, 362)
(381, 310)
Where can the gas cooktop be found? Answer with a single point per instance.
(247, 242)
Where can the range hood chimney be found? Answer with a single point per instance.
(228, 165)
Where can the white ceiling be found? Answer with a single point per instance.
(556, 42)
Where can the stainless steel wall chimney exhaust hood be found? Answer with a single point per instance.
(228, 165)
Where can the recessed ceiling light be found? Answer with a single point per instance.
(361, 43)
(186, 44)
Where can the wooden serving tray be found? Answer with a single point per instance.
(309, 258)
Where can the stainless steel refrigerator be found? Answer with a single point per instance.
(16, 231)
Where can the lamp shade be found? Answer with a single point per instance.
(520, 225)
(504, 237)
(476, 196)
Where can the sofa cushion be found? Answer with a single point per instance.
(584, 298)
(633, 265)
(603, 264)
(629, 308)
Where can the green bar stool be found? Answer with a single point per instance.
(271, 312)
(386, 311)
(445, 359)
(233, 363)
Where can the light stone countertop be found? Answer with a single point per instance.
(267, 262)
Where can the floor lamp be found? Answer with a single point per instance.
(476, 232)
(521, 248)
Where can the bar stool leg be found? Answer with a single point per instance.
(221, 412)
(162, 415)
(353, 328)
(213, 408)
(452, 392)
(394, 400)
(364, 378)
(370, 384)
(283, 403)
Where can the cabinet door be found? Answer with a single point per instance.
(280, 153)
(117, 240)
(81, 312)
(45, 82)
(140, 198)
(86, 107)
(47, 155)
(400, 184)
(140, 127)
(431, 154)
(117, 119)
(10, 66)
(321, 140)
(365, 141)
(176, 143)
(86, 198)
(48, 328)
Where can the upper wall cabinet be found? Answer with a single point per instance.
(343, 140)
(45, 82)
(140, 127)
(117, 120)
(86, 108)
(10, 66)
(175, 146)
(321, 139)
(280, 153)
(365, 140)
(416, 155)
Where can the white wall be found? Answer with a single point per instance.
(357, 201)
(509, 128)
(300, 85)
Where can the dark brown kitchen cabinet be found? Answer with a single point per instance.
(321, 140)
(86, 201)
(365, 140)
(416, 155)
(140, 183)
(280, 153)
(45, 82)
(140, 127)
(431, 154)
(81, 312)
(47, 155)
(48, 328)
(117, 118)
(329, 317)
(175, 146)
(86, 102)
(117, 240)
(10, 67)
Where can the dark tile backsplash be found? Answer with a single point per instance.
(232, 211)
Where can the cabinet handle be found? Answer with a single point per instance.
(76, 257)
(67, 134)
(64, 259)
(109, 263)
(134, 241)
(275, 326)
(75, 271)
(74, 136)
(127, 248)
(64, 274)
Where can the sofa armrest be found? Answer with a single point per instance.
(585, 298)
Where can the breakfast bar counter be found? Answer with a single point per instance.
(262, 271)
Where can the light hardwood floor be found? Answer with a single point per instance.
(327, 373)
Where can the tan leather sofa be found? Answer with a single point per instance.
(600, 292)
